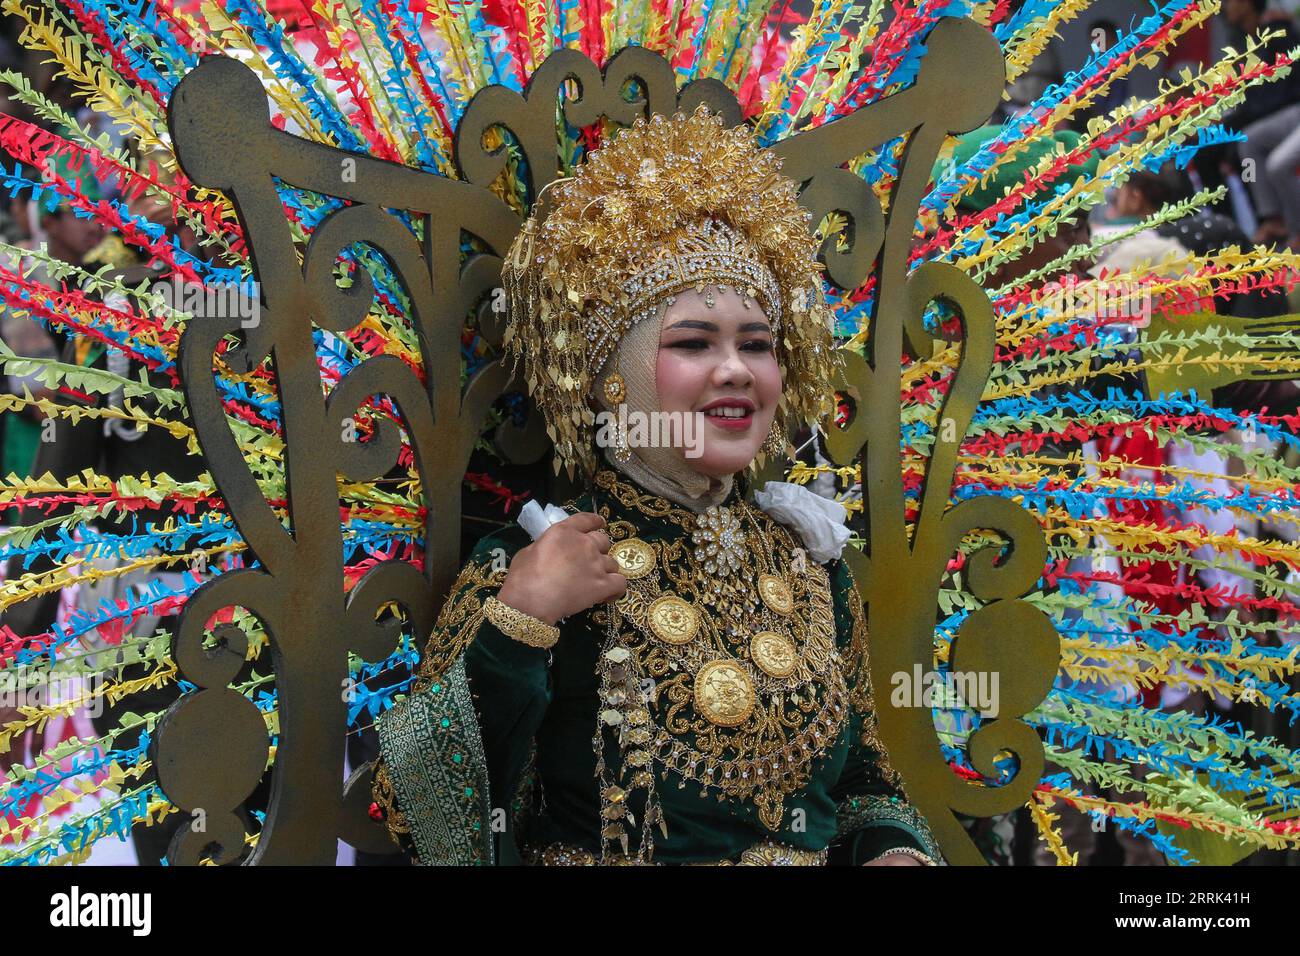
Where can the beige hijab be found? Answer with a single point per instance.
(661, 471)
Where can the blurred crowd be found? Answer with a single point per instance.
(37, 232)
(1255, 159)
(52, 227)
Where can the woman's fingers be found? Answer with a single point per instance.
(583, 521)
(617, 586)
(577, 554)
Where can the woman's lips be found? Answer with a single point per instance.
(734, 414)
(732, 424)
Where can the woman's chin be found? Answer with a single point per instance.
(721, 462)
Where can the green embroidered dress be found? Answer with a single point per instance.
(721, 705)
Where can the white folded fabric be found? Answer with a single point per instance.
(535, 519)
(818, 521)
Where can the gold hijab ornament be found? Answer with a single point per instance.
(667, 205)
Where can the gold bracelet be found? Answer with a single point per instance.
(907, 850)
(522, 627)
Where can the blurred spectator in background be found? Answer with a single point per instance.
(1102, 36)
(1142, 195)
(1205, 232)
(69, 238)
(1024, 90)
(1270, 118)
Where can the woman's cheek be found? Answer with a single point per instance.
(678, 381)
(768, 379)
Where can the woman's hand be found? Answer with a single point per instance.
(566, 570)
(894, 859)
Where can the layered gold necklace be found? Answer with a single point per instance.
(720, 662)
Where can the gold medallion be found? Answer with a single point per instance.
(723, 693)
(773, 653)
(775, 593)
(635, 558)
(673, 620)
(615, 389)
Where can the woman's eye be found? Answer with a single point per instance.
(693, 345)
(758, 345)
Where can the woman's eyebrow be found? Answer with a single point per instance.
(706, 326)
(695, 324)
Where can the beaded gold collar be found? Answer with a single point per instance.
(727, 674)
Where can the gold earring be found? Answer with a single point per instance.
(621, 450)
(615, 389)
(774, 444)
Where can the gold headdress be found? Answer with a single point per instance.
(668, 205)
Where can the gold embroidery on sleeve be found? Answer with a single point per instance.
(855, 813)
(458, 622)
(862, 697)
(381, 791)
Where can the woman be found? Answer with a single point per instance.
(668, 674)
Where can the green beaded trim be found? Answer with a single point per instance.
(858, 813)
(431, 744)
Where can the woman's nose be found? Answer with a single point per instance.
(733, 371)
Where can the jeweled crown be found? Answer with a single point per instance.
(708, 252)
(667, 205)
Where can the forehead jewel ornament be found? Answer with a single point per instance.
(667, 205)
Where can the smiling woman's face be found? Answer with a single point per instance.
(720, 361)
